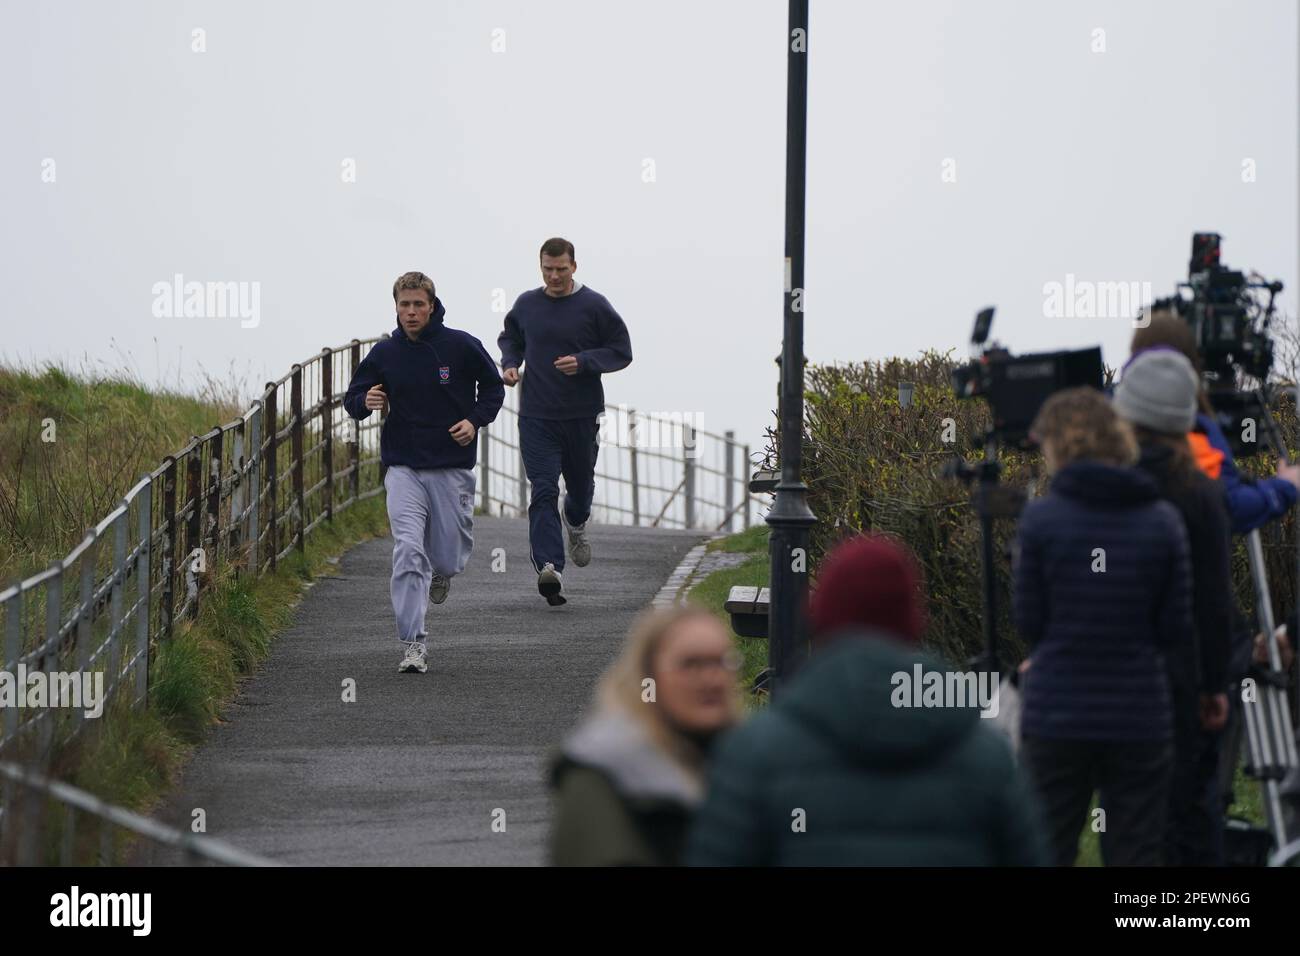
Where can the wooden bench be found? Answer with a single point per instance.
(764, 481)
(748, 608)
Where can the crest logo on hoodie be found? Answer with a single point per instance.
(444, 374)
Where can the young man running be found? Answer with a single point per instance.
(438, 387)
(566, 334)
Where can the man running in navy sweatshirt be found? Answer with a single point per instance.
(566, 334)
(440, 387)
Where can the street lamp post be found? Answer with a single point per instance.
(790, 517)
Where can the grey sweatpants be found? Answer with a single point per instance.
(431, 514)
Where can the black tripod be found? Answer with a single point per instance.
(991, 500)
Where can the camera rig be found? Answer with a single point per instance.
(1230, 315)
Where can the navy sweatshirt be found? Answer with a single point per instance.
(540, 328)
(1101, 641)
(432, 383)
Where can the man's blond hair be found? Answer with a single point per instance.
(414, 280)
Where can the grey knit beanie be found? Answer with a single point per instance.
(1159, 391)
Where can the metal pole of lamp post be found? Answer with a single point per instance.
(790, 517)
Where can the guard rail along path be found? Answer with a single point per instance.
(249, 493)
(22, 844)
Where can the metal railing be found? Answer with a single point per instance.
(652, 470)
(21, 844)
(244, 494)
(248, 493)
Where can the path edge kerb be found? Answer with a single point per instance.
(676, 585)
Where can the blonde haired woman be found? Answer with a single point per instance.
(628, 779)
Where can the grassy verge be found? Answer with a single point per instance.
(752, 540)
(130, 758)
(712, 589)
(71, 444)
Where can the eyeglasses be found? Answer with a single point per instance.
(703, 663)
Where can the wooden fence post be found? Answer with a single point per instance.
(354, 446)
(194, 526)
(295, 437)
(167, 561)
(327, 427)
(271, 424)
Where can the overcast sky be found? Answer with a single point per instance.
(961, 154)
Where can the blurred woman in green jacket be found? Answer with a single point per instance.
(628, 779)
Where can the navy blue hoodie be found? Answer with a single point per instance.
(444, 376)
(1102, 641)
(540, 328)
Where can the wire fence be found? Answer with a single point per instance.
(249, 493)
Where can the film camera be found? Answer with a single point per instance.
(1230, 315)
(1016, 386)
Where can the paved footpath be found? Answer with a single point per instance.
(418, 768)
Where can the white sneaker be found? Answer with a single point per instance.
(579, 546)
(438, 588)
(413, 662)
(548, 585)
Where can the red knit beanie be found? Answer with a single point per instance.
(868, 582)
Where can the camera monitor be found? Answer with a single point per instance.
(1019, 385)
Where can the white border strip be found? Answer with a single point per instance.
(672, 590)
